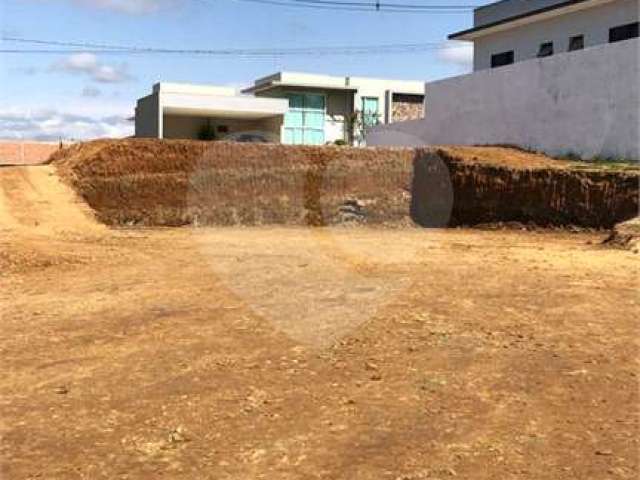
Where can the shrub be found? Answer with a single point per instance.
(207, 132)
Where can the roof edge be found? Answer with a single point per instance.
(464, 33)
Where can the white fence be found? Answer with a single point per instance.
(586, 103)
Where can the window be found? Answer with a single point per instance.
(369, 111)
(576, 43)
(623, 32)
(304, 121)
(501, 59)
(545, 50)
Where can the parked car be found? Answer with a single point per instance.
(250, 137)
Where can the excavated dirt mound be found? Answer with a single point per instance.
(626, 235)
(173, 182)
(508, 185)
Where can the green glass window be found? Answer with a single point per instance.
(294, 118)
(314, 102)
(314, 120)
(304, 122)
(370, 111)
(296, 101)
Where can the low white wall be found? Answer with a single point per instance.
(585, 102)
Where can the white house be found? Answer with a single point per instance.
(288, 107)
(511, 31)
(568, 82)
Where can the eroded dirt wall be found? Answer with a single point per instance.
(151, 182)
(484, 193)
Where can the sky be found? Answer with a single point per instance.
(80, 95)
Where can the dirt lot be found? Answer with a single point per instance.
(293, 353)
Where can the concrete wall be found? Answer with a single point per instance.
(148, 117)
(585, 102)
(594, 23)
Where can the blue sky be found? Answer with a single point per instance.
(85, 95)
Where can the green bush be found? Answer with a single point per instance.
(206, 132)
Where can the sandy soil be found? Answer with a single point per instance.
(284, 353)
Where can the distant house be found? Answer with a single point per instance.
(559, 76)
(286, 107)
(511, 31)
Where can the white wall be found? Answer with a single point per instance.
(594, 23)
(585, 102)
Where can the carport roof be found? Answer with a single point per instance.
(236, 106)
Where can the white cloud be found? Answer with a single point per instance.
(457, 53)
(133, 7)
(53, 124)
(88, 64)
(91, 92)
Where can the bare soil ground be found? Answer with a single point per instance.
(293, 353)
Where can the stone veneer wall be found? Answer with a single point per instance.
(407, 107)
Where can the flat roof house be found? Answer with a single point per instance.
(568, 82)
(288, 107)
(511, 31)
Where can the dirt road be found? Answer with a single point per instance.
(291, 353)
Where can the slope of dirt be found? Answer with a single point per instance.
(547, 192)
(34, 198)
(171, 182)
(35, 203)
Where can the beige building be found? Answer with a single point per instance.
(287, 107)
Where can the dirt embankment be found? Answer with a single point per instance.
(151, 182)
(505, 185)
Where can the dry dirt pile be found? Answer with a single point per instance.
(626, 235)
(171, 183)
(151, 182)
(503, 185)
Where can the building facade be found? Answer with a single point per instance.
(286, 107)
(568, 83)
(512, 31)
